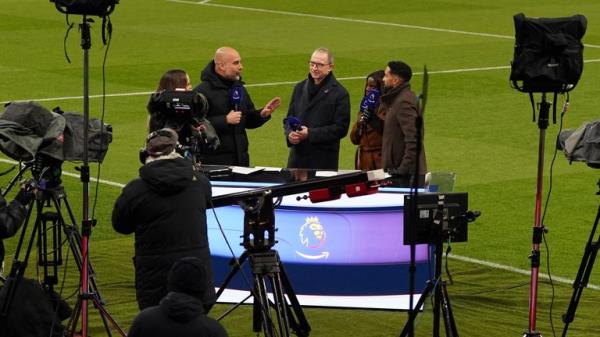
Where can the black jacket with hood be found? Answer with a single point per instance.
(166, 208)
(234, 140)
(178, 314)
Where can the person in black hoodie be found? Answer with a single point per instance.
(166, 208)
(180, 313)
(221, 82)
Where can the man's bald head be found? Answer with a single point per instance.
(228, 63)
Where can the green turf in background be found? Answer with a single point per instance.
(476, 126)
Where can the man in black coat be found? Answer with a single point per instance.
(33, 310)
(322, 105)
(166, 208)
(12, 216)
(181, 312)
(231, 110)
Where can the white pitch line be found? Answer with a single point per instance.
(335, 18)
(74, 175)
(516, 270)
(453, 256)
(350, 78)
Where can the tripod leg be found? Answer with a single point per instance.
(59, 197)
(18, 267)
(280, 303)
(261, 303)
(411, 319)
(583, 274)
(297, 319)
(74, 318)
(449, 323)
(237, 264)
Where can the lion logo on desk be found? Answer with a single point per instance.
(313, 236)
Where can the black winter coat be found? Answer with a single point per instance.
(11, 218)
(166, 208)
(178, 314)
(234, 140)
(34, 311)
(327, 116)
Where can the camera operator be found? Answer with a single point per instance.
(34, 310)
(13, 214)
(166, 209)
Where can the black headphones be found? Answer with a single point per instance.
(166, 132)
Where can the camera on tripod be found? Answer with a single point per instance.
(43, 139)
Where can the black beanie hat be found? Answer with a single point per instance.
(188, 275)
(161, 142)
(401, 69)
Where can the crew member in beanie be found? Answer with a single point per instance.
(166, 208)
(399, 143)
(181, 313)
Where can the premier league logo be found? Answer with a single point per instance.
(235, 95)
(313, 237)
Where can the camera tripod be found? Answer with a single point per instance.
(435, 287)
(48, 229)
(583, 274)
(265, 264)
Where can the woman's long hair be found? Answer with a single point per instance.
(173, 79)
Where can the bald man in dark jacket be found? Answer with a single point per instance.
(220, 76)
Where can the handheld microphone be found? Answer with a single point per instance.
(292, 123)
(236, 96)
(372, 99)
(368, 105)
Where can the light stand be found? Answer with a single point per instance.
(414, 192)
(538, 228)
(544, 64)
(101, 8)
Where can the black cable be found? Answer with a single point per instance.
(562, 115)
(108, 27)
(70, 25)
(448, 250)
(514, 286)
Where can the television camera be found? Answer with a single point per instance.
(184, 112)
(582, 144)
